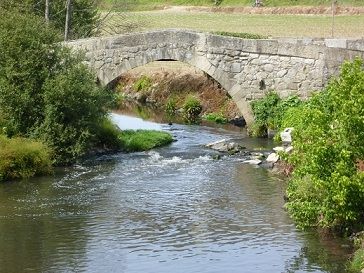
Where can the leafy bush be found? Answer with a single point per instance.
(192, 109)
(74, 106)
(142, 140)
(327, 189)
(142, 84)
(23, 158)
(268, 112)
(215, 117)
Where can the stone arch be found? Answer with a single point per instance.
(246, 68)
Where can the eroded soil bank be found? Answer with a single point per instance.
(166, 85)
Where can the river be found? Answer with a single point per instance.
(173, 209)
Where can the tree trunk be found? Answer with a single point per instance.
(68, 19)
(46, 13)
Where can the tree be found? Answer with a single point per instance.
(85, 16)
(45, 92)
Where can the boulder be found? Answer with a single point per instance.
(286, 135)
(225, 147)
(253, 161)
(272, 158)
(279, 149)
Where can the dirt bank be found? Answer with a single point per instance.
(157, 88)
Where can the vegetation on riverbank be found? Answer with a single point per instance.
(143, 140)
(268, 113)
(326, 187)
(23, 158)
(52, 112)
(46, 93)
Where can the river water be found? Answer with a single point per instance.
(173, 209)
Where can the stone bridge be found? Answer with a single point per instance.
(246, 68)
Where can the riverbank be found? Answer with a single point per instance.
(169, 90)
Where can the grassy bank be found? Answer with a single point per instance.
(267, 25)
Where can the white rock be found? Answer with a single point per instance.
(286, 135)
(289, 149)
(273, 158)
(253, 161)
(278, 149)
(215, 143)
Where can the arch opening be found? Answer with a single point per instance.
(165, 85)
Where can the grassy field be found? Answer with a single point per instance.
(351, 26)
(148, 5)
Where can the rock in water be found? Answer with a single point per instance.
(225, 147)
(273, 158)
(253, 161)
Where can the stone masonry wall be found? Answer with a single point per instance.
(247, 69)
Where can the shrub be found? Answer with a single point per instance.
(328, 141)
(107, 135)
(192, 109)
(171, 107)
(23, 158)
(142, 84)
(142, 140)
(269, 111)
(215, 117)
(74, 106)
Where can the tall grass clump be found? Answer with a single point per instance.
(23, 158)
(192, 109)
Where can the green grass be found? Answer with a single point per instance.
(23, 158)
(215, 117)
(143, 140)
(266, 25)
(149, 5)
